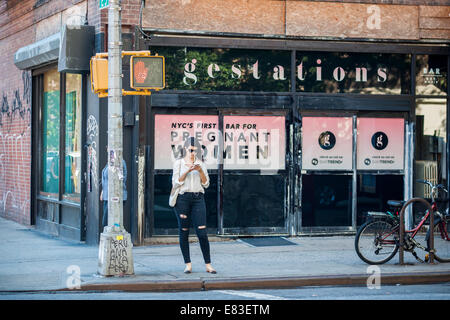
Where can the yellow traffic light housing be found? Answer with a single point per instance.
(99, 75)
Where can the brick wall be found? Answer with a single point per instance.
(348, 19)
(15, 112)
(23, 22)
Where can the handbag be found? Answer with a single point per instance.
(174, 193)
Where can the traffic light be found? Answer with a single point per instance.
(99, 75)
(147, 72)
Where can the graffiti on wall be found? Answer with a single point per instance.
(15, 150)
(92, 133)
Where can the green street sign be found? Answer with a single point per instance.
(103, 4)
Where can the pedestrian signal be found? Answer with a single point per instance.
(147, 72)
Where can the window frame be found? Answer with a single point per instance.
(61, 194)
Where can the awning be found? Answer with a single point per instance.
(38, 53)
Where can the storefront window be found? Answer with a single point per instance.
(50, 134)
(226, 69)
(326, 200)
(165, 221)
(252, 201)
(253, 154)
(72, 170)
(431, 143)
(431, 75)
(365, 73)
(374, 191)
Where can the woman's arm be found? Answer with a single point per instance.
(177, 179)
(204, 177)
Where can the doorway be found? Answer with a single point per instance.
(350, 164)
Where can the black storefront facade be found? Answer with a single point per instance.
(265, 99)
(293, 87)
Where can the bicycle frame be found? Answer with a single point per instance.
(414, 231)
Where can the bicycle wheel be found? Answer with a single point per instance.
(376, 241)
(441, 239)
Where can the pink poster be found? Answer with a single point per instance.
(380, 144)
(249, 142)
(254, 142)
(171, 131)
(327, 143)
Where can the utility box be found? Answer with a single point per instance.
(76, 48)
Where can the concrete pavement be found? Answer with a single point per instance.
(33, 261)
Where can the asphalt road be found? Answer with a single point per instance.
(439, 291)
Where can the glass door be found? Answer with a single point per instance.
(327, 172)
(349, 165)
(380, 163)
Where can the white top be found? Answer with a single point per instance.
(193, 182)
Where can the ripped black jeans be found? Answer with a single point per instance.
(191, 208)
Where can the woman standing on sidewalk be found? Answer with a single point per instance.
(191, 179)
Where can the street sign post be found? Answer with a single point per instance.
(115, 248)
(103, 4)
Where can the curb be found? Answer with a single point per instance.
(265, 283)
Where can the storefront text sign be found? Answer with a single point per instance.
(224, 69)
(171, 132)
(380, 144)
(327, 143)
(247, 142)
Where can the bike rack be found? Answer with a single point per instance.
(402, 228)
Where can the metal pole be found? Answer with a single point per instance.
(115, 140)
(115, 251)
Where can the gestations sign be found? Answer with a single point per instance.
(225, 69)
(247, 143)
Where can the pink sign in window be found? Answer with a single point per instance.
(327, 143)
(249, 142)
(171, 131)
(380, 143)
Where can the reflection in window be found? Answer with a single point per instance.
(374, 191)
(72, 169)
(223, 69)
(365, 73)
(431, 75)
(165, 221)
(50, 134)
(327, 200)
(253, 201)
(431, 143)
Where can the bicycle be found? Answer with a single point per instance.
(377, 240)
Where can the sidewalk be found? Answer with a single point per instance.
(30, 261)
